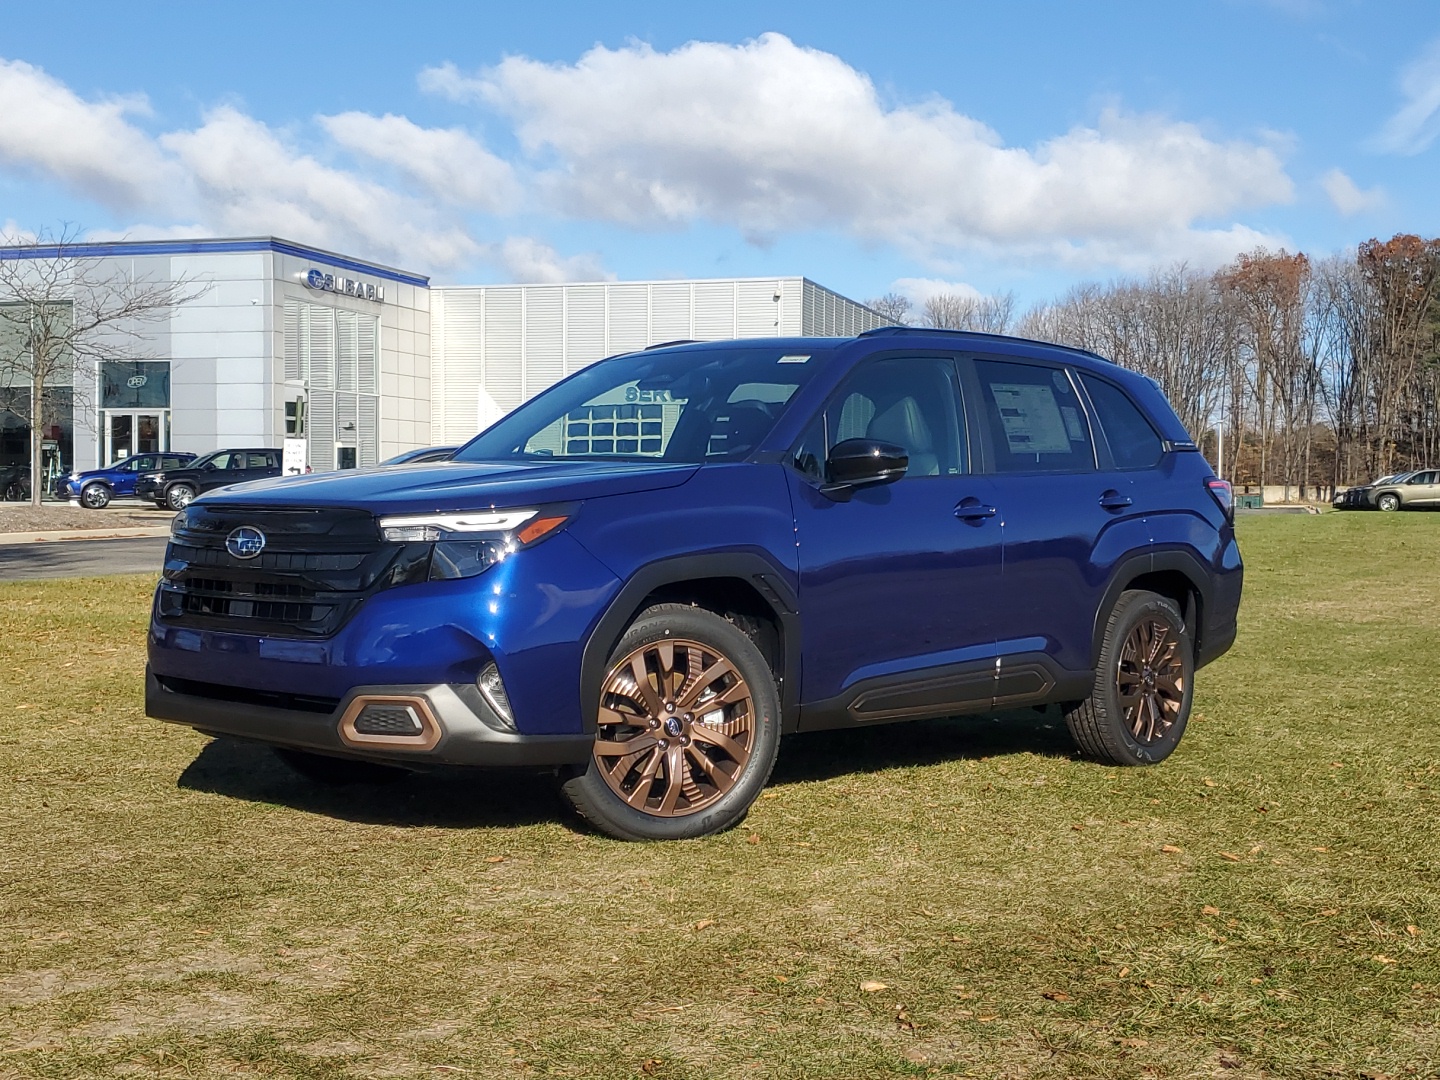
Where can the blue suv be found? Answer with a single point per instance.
(96, 487)
(647, 574)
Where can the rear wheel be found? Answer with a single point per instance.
(1140, 702)
(1389, 501)
(95, 496)
(178, 496)
(337, 772)
(688, 728)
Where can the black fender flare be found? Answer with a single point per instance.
(760, 573)
(1183, 562)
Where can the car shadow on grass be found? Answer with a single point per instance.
(824, 755)
(466, 799)
(445, 799)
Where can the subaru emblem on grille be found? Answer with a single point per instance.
(245, 542)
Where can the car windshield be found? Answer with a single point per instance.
(684, 405)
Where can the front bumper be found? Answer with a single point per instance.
(466, 731)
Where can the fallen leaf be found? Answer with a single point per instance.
(1208, 782)
(915, 1055)
(870, 986)
(1134, 1044)
(1327, 912)
(1381, 958)
(902, 1019)
(1124, 971)
(1055, 995)
(753, 838)
(1077, 828)
(1413, 930)
(1170, 849)
(650, 1065)
(703, 923)
(770, 795)
(1320, 849)
(1209, 909)
(986, 1019)
(1256, 849)
(782, 978)
(495, 858)
(1231, 856)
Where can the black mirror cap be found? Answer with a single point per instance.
(856, 462)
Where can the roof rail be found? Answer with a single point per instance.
(667, 344)
(887, 331)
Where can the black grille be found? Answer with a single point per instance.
(268, 699)
(387, 720)
(317, 567)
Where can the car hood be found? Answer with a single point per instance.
(457, 485)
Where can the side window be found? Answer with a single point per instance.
(1133, 442)
(909, 402)
(144, 464)
(173, 463)
(1034, 418)
(219, 461)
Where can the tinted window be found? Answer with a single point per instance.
(909, 402)
(690, 405)
(172, 463)
(1034, 418)
(1133, 442)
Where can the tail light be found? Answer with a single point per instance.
(1223, 494)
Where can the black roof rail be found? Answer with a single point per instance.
(886, 331)
(667, 344)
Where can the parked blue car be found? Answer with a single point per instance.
(96, 487)
(647, 574)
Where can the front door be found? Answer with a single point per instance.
(897, 581)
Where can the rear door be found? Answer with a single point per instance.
(897, 589)
(1067, 519)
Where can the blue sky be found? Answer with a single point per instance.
(1022, 146)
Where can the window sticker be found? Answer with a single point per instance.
(1031, 418)
(793, 359)
(1072, 423)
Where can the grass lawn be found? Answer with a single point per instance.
(1266, 903)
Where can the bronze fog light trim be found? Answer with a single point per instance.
(430, 729)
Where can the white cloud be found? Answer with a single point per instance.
(919, 290)
(1417, 122)
(233, 174)
(46, 128)
(447, 162)
(1348, 197)
(771, 137)
(525, 259)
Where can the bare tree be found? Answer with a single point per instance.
(61, 314)
(959, 311)
(893, 306)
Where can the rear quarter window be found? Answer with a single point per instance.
(1133, 442)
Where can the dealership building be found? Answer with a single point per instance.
(360, 359)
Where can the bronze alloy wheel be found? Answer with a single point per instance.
(677, 727)
(1150, 680)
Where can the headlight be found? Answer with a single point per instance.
(469, 543)
(157, 477)
(74, 476)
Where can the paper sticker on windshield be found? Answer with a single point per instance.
(792, 359)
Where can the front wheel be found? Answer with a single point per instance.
(95, 497)
(688, 728)
(1389, 502)
(1140, 702)
(178, 496)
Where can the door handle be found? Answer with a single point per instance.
(1113, 500)
(972, 509)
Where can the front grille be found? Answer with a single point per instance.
(318, 566)
(387, 720)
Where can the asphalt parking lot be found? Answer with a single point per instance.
(81, 558)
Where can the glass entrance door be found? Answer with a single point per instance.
(128, 433)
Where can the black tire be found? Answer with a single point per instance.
(1148, 649)
(338, 772)
(178, 496)
(1388, 502)
(720, 734)
(95, 496)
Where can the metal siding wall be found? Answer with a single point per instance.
(669, 312)
(584, 325)
(544, 338)
(504, 370)
(757, 311)
(369, 430)
(320, 429)
(629, 318)
(715, 311)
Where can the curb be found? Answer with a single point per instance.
(84, 534)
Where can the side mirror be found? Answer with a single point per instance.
(858, 462)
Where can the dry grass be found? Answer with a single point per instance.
(171, 906)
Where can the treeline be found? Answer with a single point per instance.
(1291, 371)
